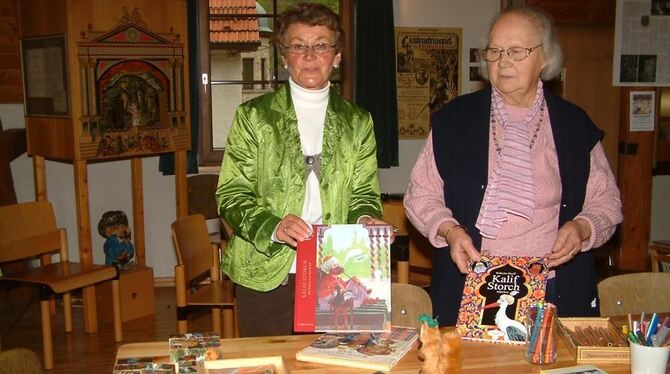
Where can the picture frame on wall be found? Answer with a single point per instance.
(45, 76)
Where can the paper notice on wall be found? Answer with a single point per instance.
(427, 75)
(642, 104)
(642, 43)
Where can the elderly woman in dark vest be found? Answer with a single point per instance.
(515, 170)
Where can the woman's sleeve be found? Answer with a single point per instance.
(365, 194)
(424, 199)
(602, 203)
(235, 193)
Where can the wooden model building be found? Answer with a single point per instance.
(119, 93)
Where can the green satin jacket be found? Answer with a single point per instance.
(263, 179)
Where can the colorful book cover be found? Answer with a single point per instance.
(190, 350)
(343, 279)
(497, 294)
(143, 365)
(366, 350)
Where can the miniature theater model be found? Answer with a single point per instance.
(95, 95)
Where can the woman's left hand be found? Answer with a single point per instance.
(568, 243)
(375, 221)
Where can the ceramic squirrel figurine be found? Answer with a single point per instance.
(440, 352)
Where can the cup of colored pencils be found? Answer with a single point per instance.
(649, 345)
(541, 333)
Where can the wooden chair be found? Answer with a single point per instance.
(201, 200)
(408, 302)
(29, 230)
(659, 252)
(198, 280)
(410, 251)
(634, 293)
(19, 361)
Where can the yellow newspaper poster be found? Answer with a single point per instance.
(427, 75)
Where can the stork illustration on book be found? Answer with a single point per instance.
(512, 330)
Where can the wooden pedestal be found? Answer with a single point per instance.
(137, 295)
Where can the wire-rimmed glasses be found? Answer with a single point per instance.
(514, 53)
(318, 48)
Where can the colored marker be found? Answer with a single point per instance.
(633, 338)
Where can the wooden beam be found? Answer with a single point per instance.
(138, 210)
(85, 244)
(635, 172)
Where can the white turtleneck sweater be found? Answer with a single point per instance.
(310, 109)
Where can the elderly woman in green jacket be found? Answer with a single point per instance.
(301, 155)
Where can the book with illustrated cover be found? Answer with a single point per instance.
(366, 350)
(498, 291)
(343, 279)
(580, 369)
(190, 350)
(142, 365)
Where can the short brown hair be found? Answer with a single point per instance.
(311, 14)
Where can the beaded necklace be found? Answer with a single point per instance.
(532, 140)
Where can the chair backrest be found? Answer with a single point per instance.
(408, 302)
(201, 189)
(194, 250)
(634, 293)
(659, 253)
(28, 230)
(201, 200)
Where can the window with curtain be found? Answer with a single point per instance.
(241, 62)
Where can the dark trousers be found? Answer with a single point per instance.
(266, 313)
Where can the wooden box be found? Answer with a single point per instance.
(594, 354)
(271, 364)
(136, 288)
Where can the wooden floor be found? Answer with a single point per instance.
(79, 352)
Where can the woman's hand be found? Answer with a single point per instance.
(460, 243)
(292, 229)
(568, 242)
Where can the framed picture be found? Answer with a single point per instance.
(45, 79)
(256, 365)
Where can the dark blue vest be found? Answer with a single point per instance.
(461, 144)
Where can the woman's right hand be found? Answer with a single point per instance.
(292, 229)
(460, 243)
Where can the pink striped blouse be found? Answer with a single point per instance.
(425, 206)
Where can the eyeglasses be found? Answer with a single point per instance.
(318, 48)
(515, 53)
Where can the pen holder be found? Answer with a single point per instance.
(541, 327)
(648, 360)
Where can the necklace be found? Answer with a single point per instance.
(535, 133)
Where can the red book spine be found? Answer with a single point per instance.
(304, 314)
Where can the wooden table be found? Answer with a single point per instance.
(477, 357)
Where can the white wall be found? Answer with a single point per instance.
(473, 16)
(660, 208)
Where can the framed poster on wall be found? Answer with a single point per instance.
(45, 77)
(427, 75)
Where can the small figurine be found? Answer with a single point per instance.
(440, 352)
(118, 249)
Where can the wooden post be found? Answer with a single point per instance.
(138, 210)
(39, 171)
(85, 244)
(181, 188)
(635, 167)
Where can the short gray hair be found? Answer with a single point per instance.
(551, 47)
